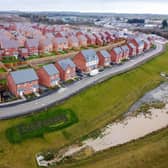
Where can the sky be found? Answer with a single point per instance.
(111, 6)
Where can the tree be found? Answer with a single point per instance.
(164, 24)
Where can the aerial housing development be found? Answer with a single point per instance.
(84, 88)
(32, 45)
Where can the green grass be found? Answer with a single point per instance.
(10, 59)
(3, 81)
(38, 125)
(94, 107)
(2, 70)
(33, 57)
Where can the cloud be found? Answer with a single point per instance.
(119, 6)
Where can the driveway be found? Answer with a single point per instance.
(56, 97)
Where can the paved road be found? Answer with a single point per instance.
(62, 94)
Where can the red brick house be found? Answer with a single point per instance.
(10, 47)
(132, 49)
(140, 45)
(66, 68)
(73, 42)
(45, 46)
(86, 60)
(110, 36)
(104, 58)
(147, 44)
(60, 44)
(48, 75)
(32, 46)
(82, 40)
(116, 55)
(126, 52)
(23, 52)
(104, 37)
(91, 39)
(99, 41)
(23, 82)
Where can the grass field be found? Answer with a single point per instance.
(94, 107)
(38, 125)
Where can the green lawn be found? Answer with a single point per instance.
(2, 70)
(38, 125)
(94, 107)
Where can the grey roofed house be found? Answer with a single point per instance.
(60, 40)
(117, 50)
(23, 76)
(139, 42)
(105, 54)
(9, 43)
(65, 63)
(32, 43)
(74, 39)
(50, 69)
(46, 42)
(89, 55)
(132, 45)
(125, 48)
(82, 37)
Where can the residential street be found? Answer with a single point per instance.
(36, 105)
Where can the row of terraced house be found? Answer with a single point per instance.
(26, 40)
(28, 81)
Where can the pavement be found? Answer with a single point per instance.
(42, 103)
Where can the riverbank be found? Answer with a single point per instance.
(132, 127)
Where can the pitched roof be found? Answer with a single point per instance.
(65, 63)
(89, 55)
(132, 45)
(139, 41)
(105, 54)
(32, 42)
(7, 43)
(23, 76)
(74, 39)
(125, 48)
(60, 40)
(117, 50)
(50, 69)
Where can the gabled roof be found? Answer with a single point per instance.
(74, 39)
(7, 43)
(23, 76)
(60, 40)
(105, 54)
(139, 41)
(65, 63)
(117, 50)
(50, 69)
(82, 37)
(46, 42)
(89, 55)
(125, 48)
(32, 42)
(132, 45)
